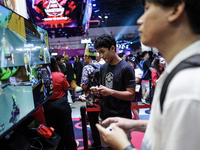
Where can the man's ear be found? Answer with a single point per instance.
(112, 48)
(176, 11)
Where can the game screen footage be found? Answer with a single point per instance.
(52, 13)
(25, 76)
(11, 4)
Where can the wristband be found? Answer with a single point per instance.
(130, 147)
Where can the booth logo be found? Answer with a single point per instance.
(54, 8)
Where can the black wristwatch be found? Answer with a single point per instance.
(130, 147)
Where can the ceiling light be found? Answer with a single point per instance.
(96, 10)
(94, 5)
(99, 16)
(106, 17)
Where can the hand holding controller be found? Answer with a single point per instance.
(109, 128)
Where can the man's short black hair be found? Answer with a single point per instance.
(105, 41)
(92, 57)
(192, 8)
(121, 55)
(59, 57)
(144, 53)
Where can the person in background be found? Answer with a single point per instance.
(128, 57)
(138, 91)
(147, 69)
(151, 57)
(70, 73)
(78, 67)
(57, 110)
(87, 81)
(138, 56)
(177, 126)
(60, 61)
(159, 65)
(122, 56)
(83, 61)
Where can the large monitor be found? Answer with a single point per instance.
(52, 13)
(87, 15)
(25, 76)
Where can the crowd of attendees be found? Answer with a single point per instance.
(146, 73)
(125, 80)
(79, 71)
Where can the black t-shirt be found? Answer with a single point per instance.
(62, 69)
(146, 66)
(117, 77)
(70, 71)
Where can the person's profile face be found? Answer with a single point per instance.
(61, 61)
(124, 57)
(147, 56)
(153, 24)
(106, 54)
(162, 62)
(86, 59)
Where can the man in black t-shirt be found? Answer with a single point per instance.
(117, 81)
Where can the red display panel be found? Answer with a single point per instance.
(52, 13)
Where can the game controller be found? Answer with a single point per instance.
(45, 131)
(109, 128)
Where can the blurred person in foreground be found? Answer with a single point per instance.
(177, 126)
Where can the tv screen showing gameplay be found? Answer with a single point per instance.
(52, 13)
(25, 76)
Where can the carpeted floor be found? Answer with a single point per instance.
(136, 136)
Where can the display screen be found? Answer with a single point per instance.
(15, 103)
(11, 4)
(25, 76)
(87, 15)
(52, 13)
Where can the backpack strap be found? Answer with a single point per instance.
(141, 64)
(145, 73)
(188, 63)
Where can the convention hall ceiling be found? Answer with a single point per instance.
(105, 13)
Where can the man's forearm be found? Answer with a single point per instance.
(123, 95)
(140, 125)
